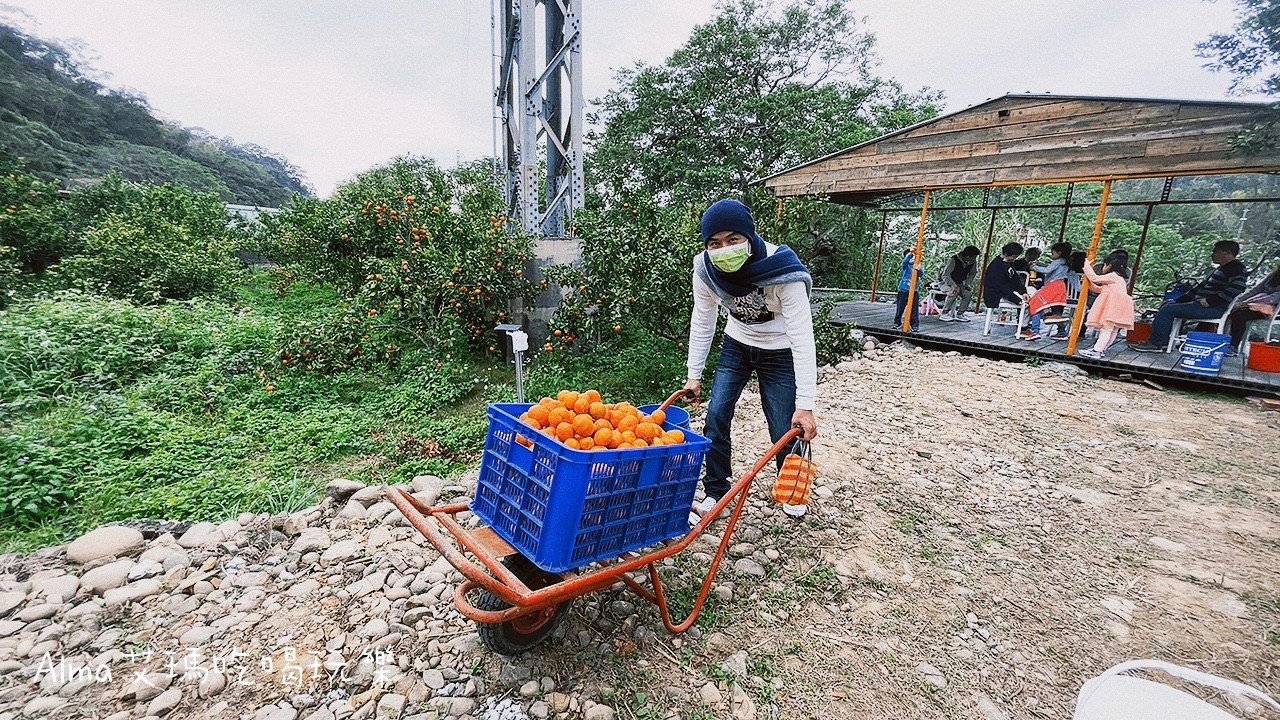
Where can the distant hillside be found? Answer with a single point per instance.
(67, 125)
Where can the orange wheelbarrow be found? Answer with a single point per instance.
(516, 605)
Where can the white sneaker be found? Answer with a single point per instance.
(795, 510)
(961, 318)
(947, 317)
(702, 507)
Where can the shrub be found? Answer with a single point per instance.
(31, 234)
(148, 259)
(423, 257)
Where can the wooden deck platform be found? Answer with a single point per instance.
(877, 319)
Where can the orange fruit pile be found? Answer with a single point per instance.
(582, 421)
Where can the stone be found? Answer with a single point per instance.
(42, 706)
(341, 551)
(108, 541)
(199, 535)
(10, 600)
(749, 567)
(56, 589)
(741, 706)
(558, 702)
(988, 709)
(391, 705)
(341, 490)
(32, 613)
(599, 712)
(367, 496)
(539, 710)
(148, 685)
(165, 701)
(132, 592)
(1166, 544)
(932, 675)
(212, 683)
(709, 694)
(1120, 607)
(434, 679)
(353, 510)
(529, 689)
(311, 539)
(736, 664)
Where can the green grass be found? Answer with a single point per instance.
(169, 418)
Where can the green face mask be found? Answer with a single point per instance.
(730, 259)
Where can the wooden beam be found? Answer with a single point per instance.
(1077, 317)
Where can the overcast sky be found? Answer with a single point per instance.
(339, 86)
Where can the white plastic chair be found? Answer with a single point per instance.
(1115, 696)
(1176, 336)
(1271, 326)
(1004, 309)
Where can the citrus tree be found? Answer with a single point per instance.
(422, 256)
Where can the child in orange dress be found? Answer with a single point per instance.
(1112, 311)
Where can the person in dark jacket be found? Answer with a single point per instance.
(1001, 281)
(957, 281)
(1258, 304)
(1208, 300)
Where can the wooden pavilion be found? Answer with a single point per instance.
(1040, 140)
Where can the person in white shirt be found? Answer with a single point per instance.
(764, 291)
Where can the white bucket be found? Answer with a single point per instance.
(1113, 696)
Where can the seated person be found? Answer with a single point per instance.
(1001, 281)
(1059, 263)
(957, 281)
(1207, 301)
(1027, 264)
(1256, 304)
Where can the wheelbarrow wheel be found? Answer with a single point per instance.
(516, 636)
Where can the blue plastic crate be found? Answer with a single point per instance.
(565, 508)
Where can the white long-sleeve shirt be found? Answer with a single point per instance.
(790, 327)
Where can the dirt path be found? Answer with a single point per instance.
(985, 536)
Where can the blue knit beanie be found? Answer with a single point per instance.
(728, 215)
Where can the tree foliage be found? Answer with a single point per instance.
(66, 124)
(1251, 53)
(758, 88)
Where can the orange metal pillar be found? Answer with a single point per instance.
(1077, 317)
(875, 275)
(915, 266)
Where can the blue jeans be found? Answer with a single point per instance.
(777, 376)
(1163, 324)
(902, 306)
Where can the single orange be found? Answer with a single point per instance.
(539, 413)
(583, 426)
(603, 436)
(533, 423)
(639, 443)
(657, 417)
(581, 404)
(594, 396)
(628, 436)
(647, 431)
(603, 424)
(675, 436)
(559, 415)
(628, 422)
(586, 443)
(657, 442)
(564, 431)
(572, 444)
(616, 441)
(563, 396)
(597, 410)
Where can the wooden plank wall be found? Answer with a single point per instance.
(1040, 140)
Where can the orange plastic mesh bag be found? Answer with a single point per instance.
(795, 479)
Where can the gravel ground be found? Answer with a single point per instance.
(984, 537)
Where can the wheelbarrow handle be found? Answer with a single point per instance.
(671, 400)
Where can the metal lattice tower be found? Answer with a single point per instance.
(537, 114)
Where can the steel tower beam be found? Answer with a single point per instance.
(542, 125)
